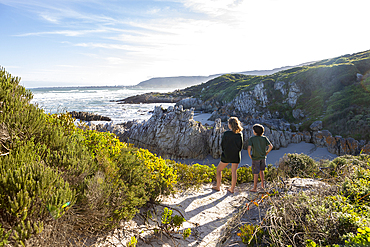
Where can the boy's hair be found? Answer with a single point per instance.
(259, 129)
(235, 124)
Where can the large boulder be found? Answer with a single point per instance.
(341, 146)
(366, 149)
(298, 114)
(293, 95)
(315, 126)
(319, 138)
(172, 133)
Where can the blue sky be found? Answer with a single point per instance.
(122, 42)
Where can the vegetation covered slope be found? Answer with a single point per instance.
(53, 172)
(331, 90)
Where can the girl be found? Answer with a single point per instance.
(231, 144)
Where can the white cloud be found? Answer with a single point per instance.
(105, 46)
(50, 18)
(115, 60)
(71, 33)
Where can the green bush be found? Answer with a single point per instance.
(327, 216)
(361, 239)
(4, 237)
(31, 192)
(23, 120)
(297, 165)
(194, 175)
(251, 235)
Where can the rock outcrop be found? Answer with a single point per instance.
(337, 144)
(198, 104)
(149, 98)
(87, 116)
(173, 133)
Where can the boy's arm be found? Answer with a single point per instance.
(249, 151)
(270, 148)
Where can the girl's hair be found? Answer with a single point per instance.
(235, 124)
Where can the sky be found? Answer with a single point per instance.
(123, 42)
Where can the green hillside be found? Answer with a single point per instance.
(330, 91)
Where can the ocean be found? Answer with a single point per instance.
(98, 100)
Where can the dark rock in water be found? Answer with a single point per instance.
(149, 98)
(87, 116)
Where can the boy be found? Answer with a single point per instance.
(258, 144)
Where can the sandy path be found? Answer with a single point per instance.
(208, 213)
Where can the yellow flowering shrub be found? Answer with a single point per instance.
(163, 175)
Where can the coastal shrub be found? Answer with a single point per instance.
(140, 177)
(245, 175)
(164, 177)
(347, 110)
(361, 239)
(357, 186)
(297, 165)
(64, 121)
(108, 200)
(4, 236)
(22, 120)
(251, 235)
(293, 219)
(321, 218)
(194, 175)
(329, 216)
(102, 142)
(103, 147)
(31, 193)
(343, 167)
(171, 224)
(271, 173)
